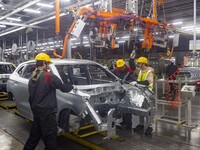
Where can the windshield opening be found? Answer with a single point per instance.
(6, 69)
(85, 74)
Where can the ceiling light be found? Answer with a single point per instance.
(1, 5)
(120, 41)
(125, 37)
(14, 19)
(177, 23)
(5, 33)
(171, 36)
(35, 23)
(2, 26)
(87, 45)
(74, 39)
(187, 27)
(32, 11)
(45, 5)
(86, 42)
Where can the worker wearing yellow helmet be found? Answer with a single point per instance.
(145, 77)
(122, 71)
(43, 57)
(42, 98)
(145, 73)
(125, 74)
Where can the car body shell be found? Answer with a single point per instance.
(91, 100)
(6, 69)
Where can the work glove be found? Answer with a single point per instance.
(145, 82)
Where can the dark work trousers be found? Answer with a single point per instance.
(45, 127)
(141, 118)
(127, 119)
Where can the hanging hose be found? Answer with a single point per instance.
(141, 11)
(164, 12)
(168, 93)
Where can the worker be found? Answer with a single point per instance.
(63, 73)
(145, 77)
(170, 72)
(42, 98)
(125, 74)
(123, 71)
(171, 68)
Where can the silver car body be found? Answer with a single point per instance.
(6, 69)
(97, 93)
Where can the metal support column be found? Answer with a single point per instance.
(3, 48)
(26, 43)
(69, 49)
(36, 42)
(21, 44)
(195, 22)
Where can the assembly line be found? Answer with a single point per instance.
(99, 74)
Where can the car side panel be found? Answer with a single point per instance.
(18, 87)
(70, 101)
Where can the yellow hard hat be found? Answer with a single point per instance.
(44, 57)
(142, 60)
(120, 63)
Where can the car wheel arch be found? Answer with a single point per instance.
(11, 96)
(64, 118)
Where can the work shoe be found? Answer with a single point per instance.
(60, 131)
(138, 128)
(128, 127)
(149, 131)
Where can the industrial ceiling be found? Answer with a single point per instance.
(17, 15)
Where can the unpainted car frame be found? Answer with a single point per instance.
(98, 98)
(6, 69)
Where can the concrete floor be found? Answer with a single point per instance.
(14, 131)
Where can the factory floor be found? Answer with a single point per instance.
(14, 131)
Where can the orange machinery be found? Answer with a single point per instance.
(108, 26)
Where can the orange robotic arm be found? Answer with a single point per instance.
(81, 12)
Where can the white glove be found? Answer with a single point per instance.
(133, 82)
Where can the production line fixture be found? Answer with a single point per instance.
(104, 23)
(178, 105)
